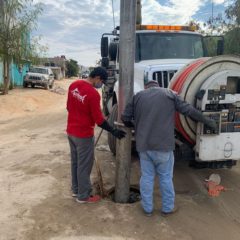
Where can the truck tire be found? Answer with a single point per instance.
(46, 86)
(112, 118)
(105, 62)
(51, 85)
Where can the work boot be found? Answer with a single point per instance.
(166, 214)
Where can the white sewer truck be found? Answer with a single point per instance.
(177, 57)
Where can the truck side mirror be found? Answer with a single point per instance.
(214, 45)
(220, 46)
(104, 47)
(113, 48)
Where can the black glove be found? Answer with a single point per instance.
(106, 126)
(128, 124)
(199, 117)
(211, 123)
(115, 132)
(126, 119)
(118, 133)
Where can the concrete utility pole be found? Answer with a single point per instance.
(126, 72)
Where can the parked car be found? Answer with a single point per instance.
(85, 75)
(39, 76)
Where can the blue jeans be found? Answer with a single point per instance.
(160, 163)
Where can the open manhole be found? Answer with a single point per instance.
(134, 194)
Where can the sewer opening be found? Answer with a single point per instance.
(134, 195)
(134, 192)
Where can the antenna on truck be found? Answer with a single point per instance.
(113, 16)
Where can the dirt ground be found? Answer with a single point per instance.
(35, 197)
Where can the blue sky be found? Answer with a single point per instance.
(74, 27)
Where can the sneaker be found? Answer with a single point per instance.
(91, 199)
(74, 194)
(166, 214)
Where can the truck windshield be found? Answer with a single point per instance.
(39, 70)
(161, 45)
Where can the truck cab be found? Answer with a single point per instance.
(159, 53)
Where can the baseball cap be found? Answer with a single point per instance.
(151, 83)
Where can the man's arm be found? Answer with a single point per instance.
(99, 119)
(68, 99)
(114, 131)
(188, 110)
(127, 116)
(95, 108)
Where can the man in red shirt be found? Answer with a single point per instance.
(84, 111)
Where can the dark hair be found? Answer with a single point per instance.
(99, 72)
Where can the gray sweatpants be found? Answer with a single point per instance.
(82, 158)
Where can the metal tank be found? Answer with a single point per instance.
(212, 85)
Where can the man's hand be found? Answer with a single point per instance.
(115, 132)
(118, 133)
(128, 124)
(211, 123)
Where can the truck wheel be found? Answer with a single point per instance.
(46, 87)
(51, 86)
(112, 118)
(25, 85)
(32, 85)
(105, 62)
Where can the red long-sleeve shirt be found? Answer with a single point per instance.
(84, 111)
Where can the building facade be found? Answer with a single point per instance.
(16, 73)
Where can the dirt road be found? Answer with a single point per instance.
(35, 198)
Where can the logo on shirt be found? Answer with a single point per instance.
(78, 96)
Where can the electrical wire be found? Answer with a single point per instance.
(113, 16)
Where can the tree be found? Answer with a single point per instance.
(233, 14)
(227, 26)
(232, 36)
(210, 38)
(72, 68)
(17, 19)
(232, 44)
